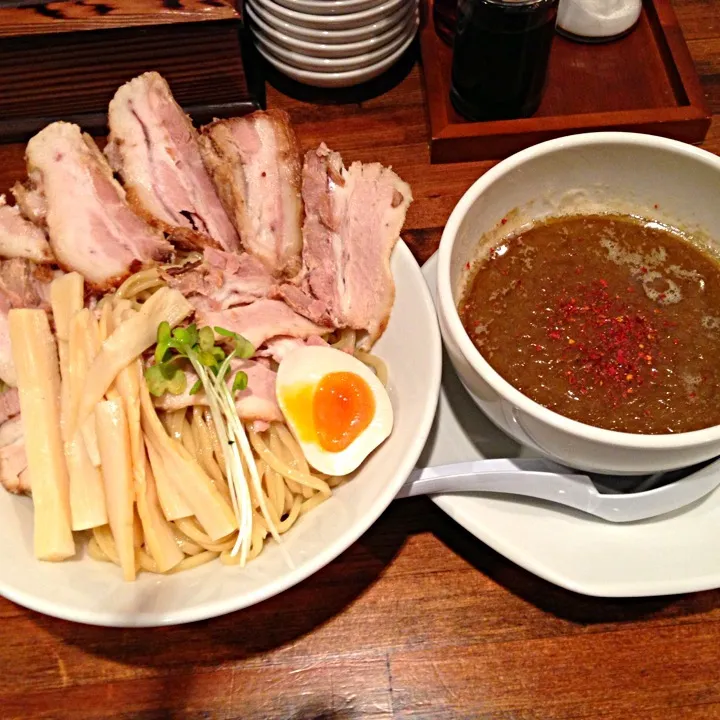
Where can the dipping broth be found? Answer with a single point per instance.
(605, 319)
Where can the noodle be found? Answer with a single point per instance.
(374, 363)
(288, 487)
(189, 527)
(139, 283)
(279, 466)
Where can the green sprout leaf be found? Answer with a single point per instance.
(225, 333)
(155, 380)
(196, 388)
(178, 383)
(239, 382)
(243, 347)
(207, 359)
(206, 339)
(163, 340)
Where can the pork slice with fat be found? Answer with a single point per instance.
(154, 148)
(255, 164)
(20, 238)
(14, 476)
(13, 461)
(262, 320)
(353, 220)
(22, 285)
(278, 347)
(91, 227)
(221, 280)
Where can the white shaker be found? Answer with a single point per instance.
(597, 20)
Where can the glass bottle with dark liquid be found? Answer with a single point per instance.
(500, 57)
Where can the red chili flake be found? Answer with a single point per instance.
(656, 206)
(503, 221)
(604, 343)
(643, 270)
(467, 266)
(692, 395)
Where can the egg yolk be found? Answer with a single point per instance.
(332, 413)
(343, 406)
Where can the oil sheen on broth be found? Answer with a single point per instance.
(606, 319)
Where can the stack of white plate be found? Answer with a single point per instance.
(332, 43)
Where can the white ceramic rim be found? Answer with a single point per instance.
(331, 552)
(339, 48)
(309, 75)
(323, 64)
(381, 25)
(446, 295)
(387, 8)
(336, 7)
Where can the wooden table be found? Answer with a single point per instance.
(417, 619)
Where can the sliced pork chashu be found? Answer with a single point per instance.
(221, 280)
(22, 285)
(153, 146)
(353, 219)
(255, 165)
(262, 320)
(19, 238)
(90, 225)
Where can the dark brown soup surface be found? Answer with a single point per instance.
(605, 319)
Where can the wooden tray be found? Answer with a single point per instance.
(644, 82)
(63, 60)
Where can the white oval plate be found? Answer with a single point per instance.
(336, 79)
(304, 62)
(334, 36)
(668, 555)
(334, 22)
(329, 7)
(88, 591)
(329, 50)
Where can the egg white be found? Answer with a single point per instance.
(307, 366)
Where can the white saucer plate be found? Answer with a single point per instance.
(358, 62)
(347, 78)
(672, 554)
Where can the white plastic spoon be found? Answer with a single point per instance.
(545, 480)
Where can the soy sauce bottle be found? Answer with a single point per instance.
(500, 57)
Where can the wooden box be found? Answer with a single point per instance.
(65, 59)
(643, 82)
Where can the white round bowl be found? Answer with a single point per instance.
(88, 591)
(660, 179)
(329, 7)
(333, 36)
(334, 22)
(321, 49)
(305, 62)
(347, 78)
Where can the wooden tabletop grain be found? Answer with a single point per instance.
(417, 619)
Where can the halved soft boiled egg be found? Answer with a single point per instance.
(334, 405)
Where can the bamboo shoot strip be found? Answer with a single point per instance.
(126, 343)
(172, 502)
(36, 361)
(87, 495)
(67, 295)
(197, 489)
(158, 536)
(114, 443)
(92, 348)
